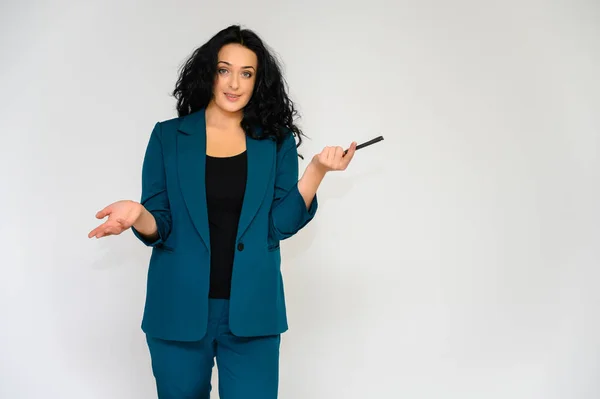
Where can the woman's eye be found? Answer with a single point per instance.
(222, 71)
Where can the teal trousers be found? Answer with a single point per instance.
(248, 367)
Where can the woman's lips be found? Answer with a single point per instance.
(232, 97)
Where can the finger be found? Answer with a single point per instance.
(338, 155)
(349, 154)
(352, 148)
(100, 233)
(330, 155)
(103, 213)
(97, 230)
(106, 226)
(112, 230)
(323, 156)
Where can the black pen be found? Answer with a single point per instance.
(367, 143)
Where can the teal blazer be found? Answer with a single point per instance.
(173, 190)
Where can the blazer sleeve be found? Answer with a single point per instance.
(289, 213)
(154, 188)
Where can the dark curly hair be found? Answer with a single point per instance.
(269, 108)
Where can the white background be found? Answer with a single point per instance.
(459, 258)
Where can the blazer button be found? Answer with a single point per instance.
(240, 246)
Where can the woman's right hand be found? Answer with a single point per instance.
(121, 216)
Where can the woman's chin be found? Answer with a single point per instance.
(231, 106)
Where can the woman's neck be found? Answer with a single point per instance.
(217, 117)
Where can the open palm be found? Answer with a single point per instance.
(121, 216)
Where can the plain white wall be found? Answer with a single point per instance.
(457, 259)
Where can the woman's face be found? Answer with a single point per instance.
(236, 76)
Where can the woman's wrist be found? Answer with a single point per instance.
(145, 224)
(310, 181)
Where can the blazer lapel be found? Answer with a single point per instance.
(261, 159)
(191, 158)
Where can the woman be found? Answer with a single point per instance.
(220, 190)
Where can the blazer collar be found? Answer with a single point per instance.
(191, 158)
(194, 122)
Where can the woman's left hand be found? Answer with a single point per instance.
(333, 158)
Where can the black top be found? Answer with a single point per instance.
(225, 189)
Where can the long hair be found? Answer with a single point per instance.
(270, 107)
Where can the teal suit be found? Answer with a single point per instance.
(173, 190)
